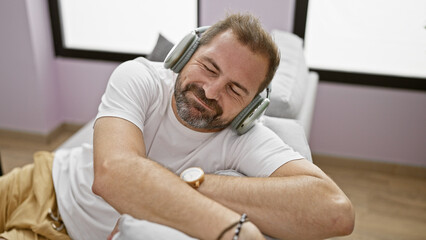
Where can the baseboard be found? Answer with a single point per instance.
(384, 167)
(39, 137)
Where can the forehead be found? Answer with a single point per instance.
(235, 60)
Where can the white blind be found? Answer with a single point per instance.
(130, 26)
(367, 36)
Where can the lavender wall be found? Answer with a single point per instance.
(370, 123)
(44, 61)
(274, 14)
(28, 100)
(38, 91)
(81, 84)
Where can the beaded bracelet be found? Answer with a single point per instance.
(243, 219)
(227, 229)
(240, 222)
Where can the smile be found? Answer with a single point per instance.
(201, 102)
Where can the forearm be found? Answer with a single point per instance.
(153, 193)
(133, 184)
(282, 207)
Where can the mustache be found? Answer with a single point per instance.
(200, 93)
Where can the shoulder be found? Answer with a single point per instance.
(259, 152)
(259, 133)
(260, 138)
(143, 67)
(141, 72)
(256, 136)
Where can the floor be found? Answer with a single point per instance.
(388, 205)
(390, 201)
(17, 149)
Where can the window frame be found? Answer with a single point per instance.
(364, 79)
(62, 51)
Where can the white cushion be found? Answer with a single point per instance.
(291, 132)
(133, 229)
(290, 81)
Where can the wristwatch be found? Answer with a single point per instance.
(194, 176)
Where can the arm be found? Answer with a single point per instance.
(133, 184)
(298, 201)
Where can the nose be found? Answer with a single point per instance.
(213, 88)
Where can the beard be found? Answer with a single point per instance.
(195, 114)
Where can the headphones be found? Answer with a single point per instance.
(180, 55)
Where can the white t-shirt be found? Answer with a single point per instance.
(141, 92)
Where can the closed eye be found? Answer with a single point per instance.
(210, 65)
(239, 89)
(209, 69)
(234, 91)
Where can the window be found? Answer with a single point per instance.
(369, 42)
(118, 30)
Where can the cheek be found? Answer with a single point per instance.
(193, 72)
(230, 110)
(239, 107)
(189, 77)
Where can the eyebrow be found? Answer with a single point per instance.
(211, 61)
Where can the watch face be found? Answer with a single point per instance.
(192, 174)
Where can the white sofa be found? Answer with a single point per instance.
(292, 99)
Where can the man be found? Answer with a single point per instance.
(152, 125)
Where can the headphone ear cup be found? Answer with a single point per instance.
(245, 120)
(181, 52)
(186, 56)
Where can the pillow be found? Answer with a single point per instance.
(290, 80)
(132, 229)
(161, 49)
(291, 132)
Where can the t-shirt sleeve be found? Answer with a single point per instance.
(260, 154)
(130, 93)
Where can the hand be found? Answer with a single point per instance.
(114, 231)
(249, 231)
